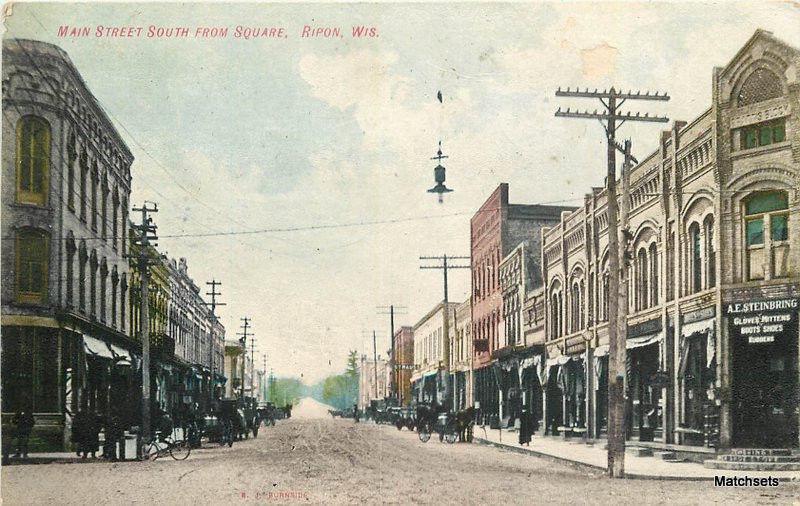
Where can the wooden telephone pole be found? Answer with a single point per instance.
(611, 118)
(213, 293)
(147, 231)
(243, 341)
(444, 266)
(394, 388)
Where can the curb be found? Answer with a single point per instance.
(584, 465)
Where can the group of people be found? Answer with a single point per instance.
(86, 428)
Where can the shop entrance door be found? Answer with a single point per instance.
(765, 393)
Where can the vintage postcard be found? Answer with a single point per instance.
(405, 253)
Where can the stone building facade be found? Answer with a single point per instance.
(713, 267)
(66, 186)
(428, 378)
(461, 354)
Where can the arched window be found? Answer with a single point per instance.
(70, 270)
(32, 263)
(103, 289)
(641, 279)
(33, 160)
(72, 155)
(767, 252)
(556, 328)
(653, 257)
(82, 277)
(114, 288)
(711, 254)
(762, 84)
(93, 284)
(84, 163)
(696, 258)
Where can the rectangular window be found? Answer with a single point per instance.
(755, 232)
(763, 134)
(780, 227)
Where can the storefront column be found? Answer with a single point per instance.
(590, 391)
(668, 392)
(724, 382)
(676, 380)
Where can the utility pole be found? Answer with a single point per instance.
(264, 380)
(147, 231)
(375, 362)
(394, 388)
(243, 342)
(444, 266)
(252, 368)
(611, 118)
(213, 293)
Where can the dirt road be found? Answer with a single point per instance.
(322, 460)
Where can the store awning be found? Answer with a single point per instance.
(700, 327)
(601, 351)
(639, 342)
(430, 373)
(96, 347)
(121, 355)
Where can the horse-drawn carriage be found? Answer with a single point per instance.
(404, 417)
(450, 426)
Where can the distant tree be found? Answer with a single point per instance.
(341, 390)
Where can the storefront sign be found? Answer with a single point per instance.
(762, 322)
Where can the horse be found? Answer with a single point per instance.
(464, 420)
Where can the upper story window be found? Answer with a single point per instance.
(766, 229)
(33, 160)
(762, 84)
(32, 262)
(696, 258)
(762, 134)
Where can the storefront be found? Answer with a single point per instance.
(643, 388)
(697, 380)
(764, 343)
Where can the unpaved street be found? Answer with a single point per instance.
(322, 460)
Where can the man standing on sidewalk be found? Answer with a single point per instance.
(23, 421)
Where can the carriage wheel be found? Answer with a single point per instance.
(424, 434)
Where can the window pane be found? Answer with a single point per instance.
(780, 228)
(765, 135)
(766, 202)
(779, 132)
(750, 138)
(755, 232)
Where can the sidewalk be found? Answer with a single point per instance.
(579, 453)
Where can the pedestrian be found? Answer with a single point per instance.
(23, 422)
(114, 433)
(94, 423)
(355, 412)
(525, 427)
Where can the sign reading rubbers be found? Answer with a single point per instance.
(765, 321)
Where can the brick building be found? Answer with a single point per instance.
(403, 363)
(496, 229)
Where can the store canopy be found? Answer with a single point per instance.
(700, 327)
(121, 355)
(430, 373)
(96, 347)
(601, 351)
(638, 342)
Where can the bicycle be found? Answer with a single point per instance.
(160, 446)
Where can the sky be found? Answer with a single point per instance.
(319, 148)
